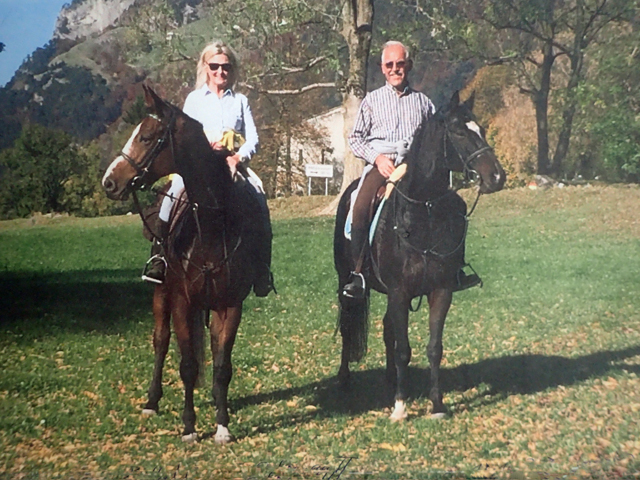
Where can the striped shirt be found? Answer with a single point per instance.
(385, 115)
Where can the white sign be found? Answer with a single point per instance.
(317, 170)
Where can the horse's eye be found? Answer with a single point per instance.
(145, 140)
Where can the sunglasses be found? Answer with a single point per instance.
(226, 67)
(399, 65)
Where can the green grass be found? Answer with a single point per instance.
(540, 371)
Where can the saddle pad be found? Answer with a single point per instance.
(395, 177)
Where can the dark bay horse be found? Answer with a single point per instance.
(208, 252)
(418, 246)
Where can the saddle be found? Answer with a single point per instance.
(381, 196)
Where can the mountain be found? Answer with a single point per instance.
(81, 80)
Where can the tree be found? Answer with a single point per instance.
(295, 57)
(545, 40)
(608, 125)
(36, 170)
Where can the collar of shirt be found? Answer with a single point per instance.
(406, 91)
(208, 91)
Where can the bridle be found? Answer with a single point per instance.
(467, 170)
(143, 167)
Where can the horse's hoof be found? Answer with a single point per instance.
(223, 437)
(438, 416)
(190, 438)
(399, 412)
(148, 412)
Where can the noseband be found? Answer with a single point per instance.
(142, 168)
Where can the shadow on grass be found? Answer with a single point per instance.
(105, 301)
(495, 378)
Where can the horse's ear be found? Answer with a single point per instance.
(455, 99)
(470, 101)
(153, 102)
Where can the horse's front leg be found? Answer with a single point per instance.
(224, 328)
(439, 303)
(183, 315)
(161, 339)
(397, 316)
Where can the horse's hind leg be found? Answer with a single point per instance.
(224, 328)
(161, 339)
(439, 303)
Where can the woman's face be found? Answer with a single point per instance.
(218, 71)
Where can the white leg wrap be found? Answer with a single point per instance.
(147, 412)
(223, 436)
(399, 411)
(191, 438)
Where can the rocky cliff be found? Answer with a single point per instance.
(82, 20)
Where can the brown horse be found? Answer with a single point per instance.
(418, 245)
(208, 252)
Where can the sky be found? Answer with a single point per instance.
(24, 26)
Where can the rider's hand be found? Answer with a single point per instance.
(233, 161)
(384, 165)
(217, 146)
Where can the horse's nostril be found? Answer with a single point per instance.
(109, 185)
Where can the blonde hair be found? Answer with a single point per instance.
(215, 48)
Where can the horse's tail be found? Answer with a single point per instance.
(198, 341)
(353, 322)
(353, 317)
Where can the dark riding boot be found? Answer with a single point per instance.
(264, 279)
(156, 266)
(356, 286)
(464, 281)
(263, 283)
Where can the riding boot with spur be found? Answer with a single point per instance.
(156, 266)
(355, 288)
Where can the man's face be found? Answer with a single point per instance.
(395, 66)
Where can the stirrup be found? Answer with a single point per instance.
(464, 281)
(356, 287)
(147, 272)
(262, 289)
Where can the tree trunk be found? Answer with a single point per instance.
(569, 110)
(357, 27)
(541, 102)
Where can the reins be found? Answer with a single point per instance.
(429, 205)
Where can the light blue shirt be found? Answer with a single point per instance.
(219, 114)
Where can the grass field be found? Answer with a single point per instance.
(540, 370)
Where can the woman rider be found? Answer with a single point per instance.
(228, 124)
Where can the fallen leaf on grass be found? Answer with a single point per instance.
(395, 448)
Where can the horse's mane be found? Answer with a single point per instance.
(212, 173)
(424, 149)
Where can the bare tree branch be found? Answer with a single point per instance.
(297, 91)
